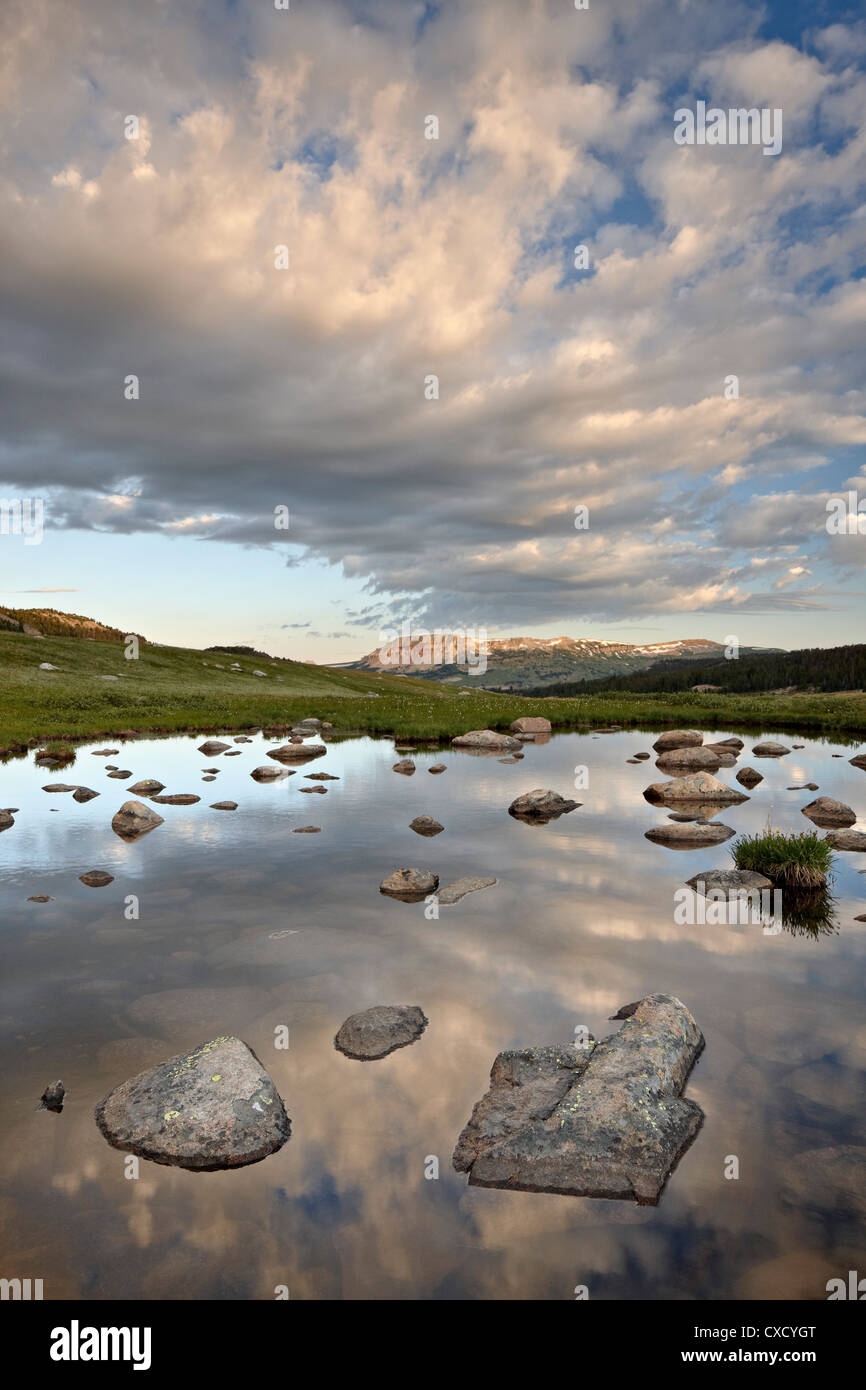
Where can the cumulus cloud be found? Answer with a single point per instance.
(406, 258)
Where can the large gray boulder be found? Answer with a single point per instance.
(689, 836)
(540, 804)
(213, 1107)
(689, 760)
(678, 738)
(700, 786)
(847, 839)
(531, 724)
(135, 819)
(730, 882)
(487, 741)
(370, 1035)
(827, 812)
(604, 1120)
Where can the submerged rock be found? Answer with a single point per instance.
(426, 825)
(453, 892)
(541, 804)
(368, 1036)
(214, 1107)
(410, 884)
(96, 878)
(691, 836)
(179, 799)
(604, 1120)
(135, 819)
(678, 738)
(701, 786)
(307, 830)
(826, 811)
(52, 1097)
(488, 740)
(224, 806)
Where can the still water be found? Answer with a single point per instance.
(580, 922)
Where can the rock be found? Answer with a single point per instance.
(310, 723)
(438, 767)
(58, 787)
(722, 750)
(83, 794)
(688, 760)
(678, 738)
(405, 767)
(806, 787)
(859, 761)
(96, 878)
(847, 839)
(604, 1120)
(214, 1107)
(120, 774)
(46, 666)
(826, 812)
(242, 738)
(748, 777)
(314, 791)
(531, 724)
(541, 804)
(104, 752)
(512, 759)
(488, 740)
(770, 750)
(453, 892)
(320, 777)
(178, 799)
(52, 1097)
(735, 744)
(40, 898)
(236, 752)
(368, 1036)
(306, 830)
(269, 774)
(224, 806)
(208, 779)
(409, 884)
(634, 761)
(691, 836)
(212, 746)
(700, 786)
(426, 825)
(108, 678)
(135, 819)
(730, 882)
(211, 772)
(297, 752)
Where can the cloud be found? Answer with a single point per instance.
(408, 258)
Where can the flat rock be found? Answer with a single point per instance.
(224, 805)
(678, 738)
(453, 892)
(700, 786)
(178, 799)
(297, 752)
(59, 787)
(748, 777)
(541, 804)
(531, 724)
(806, 787)
(438, 767)
(729, 882)
(405, 766)
(269, 774)
(826, 811)
(135, 819)
(847, 839)
(320, 777)
(315, 791)
(120, 774)
(212, 746)
(426, 825)
(639, 757)
(770, 749)
(96, 878)
(604, 1120)
(409, 884)
(378, 1031)
(733, 743)
(214, 1107)
(691, 836)
(488, 740)
(307, 830)
(103, 752)
(689, 760)
(44, 898)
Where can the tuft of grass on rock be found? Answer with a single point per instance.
(790, 861)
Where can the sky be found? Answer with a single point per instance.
(284, 260)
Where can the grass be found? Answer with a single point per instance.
(174, 688)
(790, 861)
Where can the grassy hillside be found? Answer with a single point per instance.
(171, 688)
